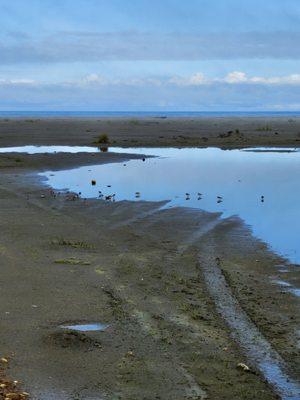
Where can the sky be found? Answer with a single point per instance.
(141, 55)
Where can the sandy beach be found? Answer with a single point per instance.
(155, 277)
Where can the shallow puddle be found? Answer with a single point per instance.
(272, 150)
(86, 327)
(261, 187)
(294, 291)
(282, 283)
(49, 149)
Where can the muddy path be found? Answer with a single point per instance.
(145, 272)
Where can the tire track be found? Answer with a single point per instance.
(256, 347)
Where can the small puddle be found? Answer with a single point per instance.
(86, 327)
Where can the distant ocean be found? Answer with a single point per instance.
(155, 114)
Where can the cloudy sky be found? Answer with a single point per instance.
(194, 55)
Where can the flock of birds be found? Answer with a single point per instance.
(112, 197)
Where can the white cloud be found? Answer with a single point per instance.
(293, 79)
(236, 77)
(94, 78)
(143, 94)
(17, 81)
(195, 80)
(241, 77)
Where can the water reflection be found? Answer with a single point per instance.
(261, 187)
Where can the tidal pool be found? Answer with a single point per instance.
(261, 187)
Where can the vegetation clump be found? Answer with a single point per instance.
(76, 244)
(103, 139)
(134, 122)
(266, 128)
(72, 261)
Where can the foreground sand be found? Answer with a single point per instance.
(142, 271)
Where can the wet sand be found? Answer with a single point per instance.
(142, 271)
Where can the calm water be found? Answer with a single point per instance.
(238, 177)
(49, 149)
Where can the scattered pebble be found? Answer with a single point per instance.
(244, 367)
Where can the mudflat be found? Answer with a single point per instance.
(176, 132)
(157, 279)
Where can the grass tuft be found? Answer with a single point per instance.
(72, 261)
(103, 139)
(264, 129)
(76, 244)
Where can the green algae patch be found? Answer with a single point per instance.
(71, 261)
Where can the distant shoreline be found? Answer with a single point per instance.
(145, 114)
(144, 131)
